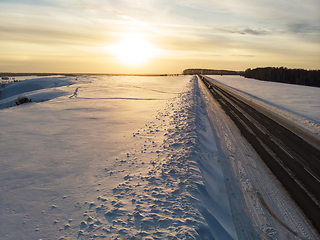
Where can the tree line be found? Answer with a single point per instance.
(210, 72)
(285, 75)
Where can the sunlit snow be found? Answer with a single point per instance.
(130, 157)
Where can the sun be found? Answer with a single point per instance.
(133, 50)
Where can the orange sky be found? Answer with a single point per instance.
(153, 36)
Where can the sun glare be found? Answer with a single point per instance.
(133, 50)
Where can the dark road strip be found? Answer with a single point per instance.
(294, 162)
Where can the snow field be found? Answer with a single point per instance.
(113, 157)
(150, 177)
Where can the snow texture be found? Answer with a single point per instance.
(38, 89)
(114, 157)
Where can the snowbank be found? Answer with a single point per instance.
(34, 90)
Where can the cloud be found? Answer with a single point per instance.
(254, 32)
(243, 55)
(302, 28)
(245, 31)
(49, 36)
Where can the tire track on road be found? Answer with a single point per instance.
(294, 162)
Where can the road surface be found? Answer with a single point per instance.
(294, 162)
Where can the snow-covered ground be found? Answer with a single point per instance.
(22, 78)
(298, 104)
(119, 157)
(38, 89)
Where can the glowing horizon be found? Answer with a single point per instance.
(155, 37)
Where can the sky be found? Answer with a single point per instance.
(157, 36)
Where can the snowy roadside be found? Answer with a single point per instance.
(298, 105)
(260, 206)
(113, 157)
(162, 194)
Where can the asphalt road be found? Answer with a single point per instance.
(294, 162)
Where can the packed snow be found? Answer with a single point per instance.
(128, 157)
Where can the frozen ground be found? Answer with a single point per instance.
(109, 157)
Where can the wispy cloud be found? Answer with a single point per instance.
(253, 32)
(245, 30)
(303, 28)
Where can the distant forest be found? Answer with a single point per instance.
(285, 75)
(272, 74)
(210, 72)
